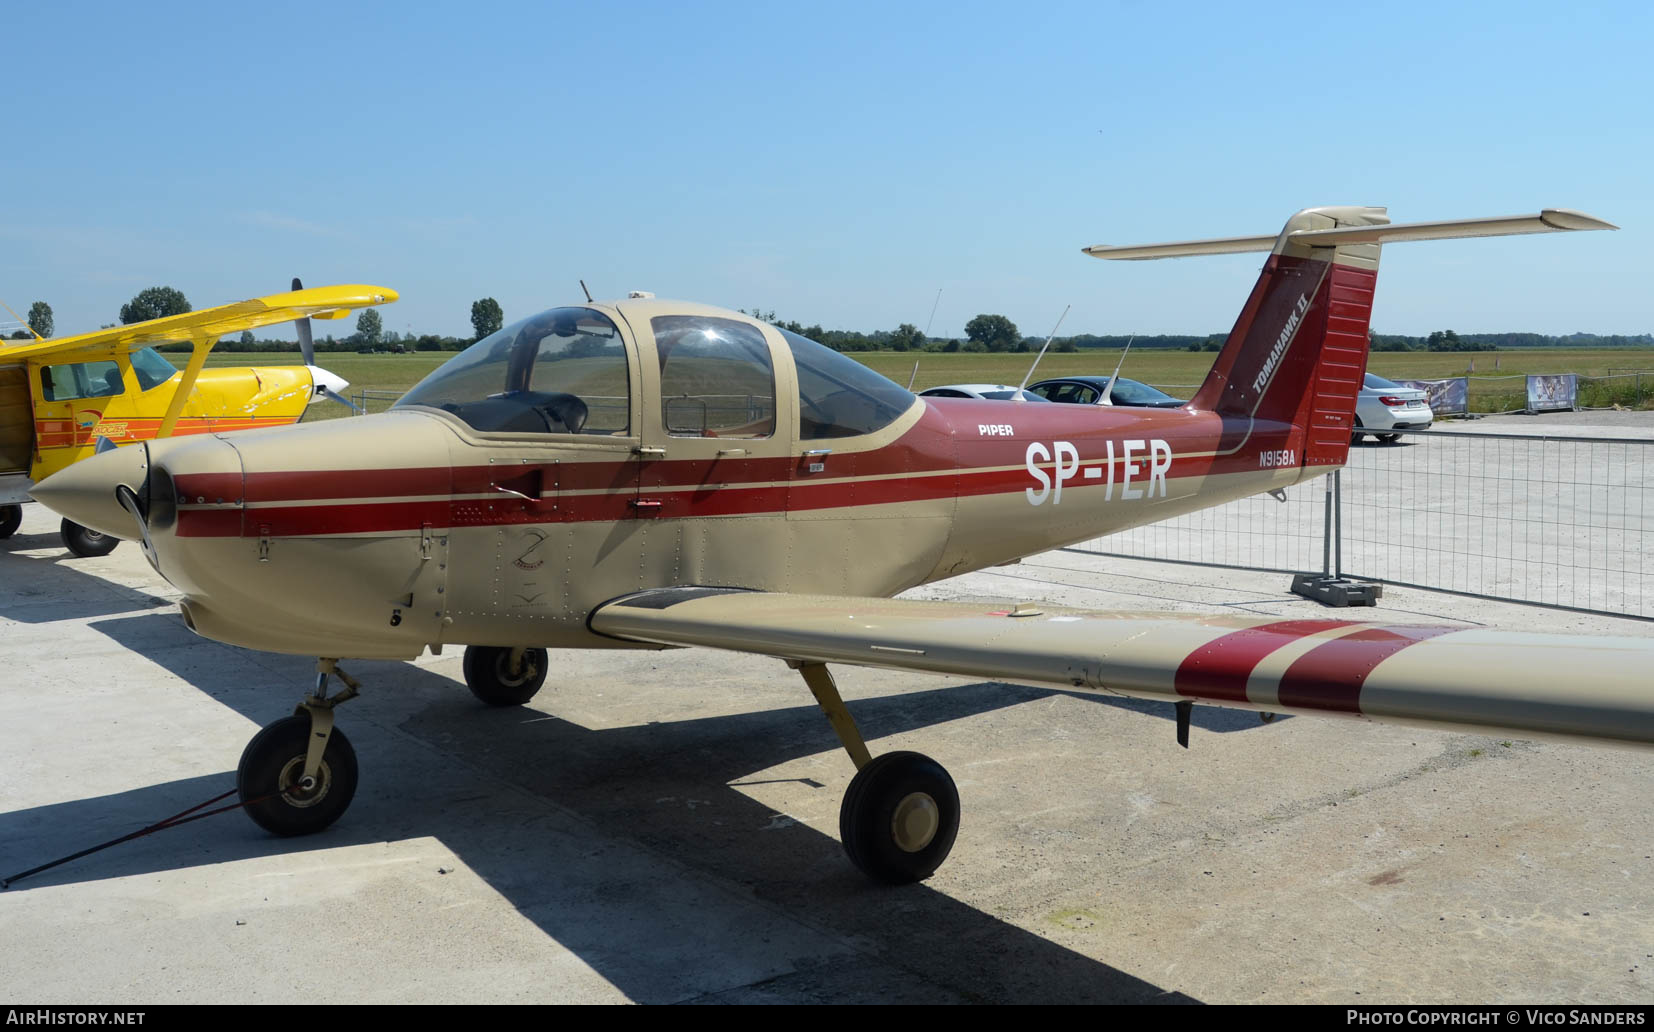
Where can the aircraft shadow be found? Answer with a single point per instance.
(571, 825)
(36, 590)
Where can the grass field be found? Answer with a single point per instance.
(1175, 371)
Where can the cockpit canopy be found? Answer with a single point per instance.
(565, 371)
(562, 372)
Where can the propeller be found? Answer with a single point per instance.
(328, 385)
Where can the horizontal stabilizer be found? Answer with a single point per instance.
(1550, 220)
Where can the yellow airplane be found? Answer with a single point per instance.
(65, 398)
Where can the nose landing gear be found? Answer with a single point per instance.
(298, 774)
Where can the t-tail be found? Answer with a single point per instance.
(1298, 351)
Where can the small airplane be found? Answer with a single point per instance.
(64, 398)
(643, 473)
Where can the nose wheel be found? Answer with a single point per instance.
(276, 792)
(900, 814)
(298, 774)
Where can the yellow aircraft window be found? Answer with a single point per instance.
(562, 371)
(151, 368)
(838, 396)
(81, 380)
(716, 377)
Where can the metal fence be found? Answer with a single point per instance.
(1558, 521)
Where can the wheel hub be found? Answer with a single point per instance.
(915, 822)
(300, 791)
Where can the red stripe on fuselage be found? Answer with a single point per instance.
(1221, 668)
(1329, 677)
(925, 464)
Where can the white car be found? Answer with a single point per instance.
(1384, 407)
(993, 391)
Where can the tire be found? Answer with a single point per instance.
(11, 517)
(1356, 435)
(86, 542)
(1388, 438)
(897, 794)
(488, 674)
(274, 760)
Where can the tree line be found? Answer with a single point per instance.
(987, 332)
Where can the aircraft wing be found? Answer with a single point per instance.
(209, 324)
(1572, 686)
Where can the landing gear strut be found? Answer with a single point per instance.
(298, 774)
(900, 814)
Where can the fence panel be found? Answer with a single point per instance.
(1556, 520)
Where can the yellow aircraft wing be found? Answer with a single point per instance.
(209, 324)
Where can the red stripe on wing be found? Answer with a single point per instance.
(1329, 677)
(1221, 668)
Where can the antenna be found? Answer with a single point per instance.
(1041, 354)
(932, 318)
(588, 292)
(913, 375)
(1108, 394)
(26, 326)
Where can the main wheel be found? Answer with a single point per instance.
(899, 818)
(86, 542)
(11, 517)
(489, 675)
(271, 774)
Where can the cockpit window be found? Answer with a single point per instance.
(840, 397)
(559, 372)
(81, 380)
(152, 369)
(716, 378)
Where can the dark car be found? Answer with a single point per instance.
(1088, 390)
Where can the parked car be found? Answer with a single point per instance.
(1088, 390)
(993, 391)
(1384, 405)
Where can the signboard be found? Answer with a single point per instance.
(1552, 393)
(1447, 397)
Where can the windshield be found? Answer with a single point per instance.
(562, 372)
(152, 369)
(1130, 392)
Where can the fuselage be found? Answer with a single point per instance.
(391, 533)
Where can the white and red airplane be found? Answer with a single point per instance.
(644, 474)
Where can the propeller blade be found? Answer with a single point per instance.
(323, 392)
(307, 341)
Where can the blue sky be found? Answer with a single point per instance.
(837, 163)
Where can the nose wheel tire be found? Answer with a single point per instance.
(11, 517)
(86, 542)
(899, 818)
(270, 779)
(490, 675)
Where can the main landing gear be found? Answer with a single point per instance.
(86, 542)
(298, 774)
(900, 814)
(504, 677)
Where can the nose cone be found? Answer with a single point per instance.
(85, 491)
(326, 383)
